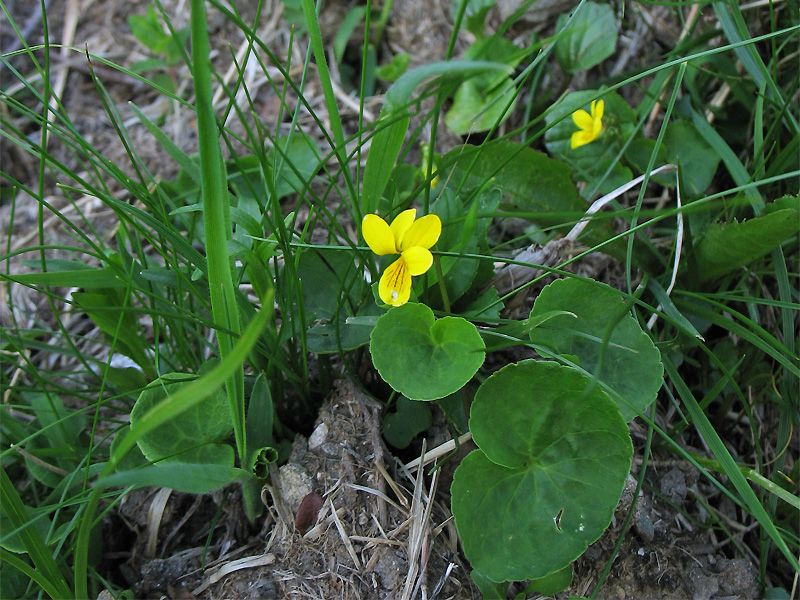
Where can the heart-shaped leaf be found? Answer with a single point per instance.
(409, 420)
(607, 341)
(424, 358)
(554, 455)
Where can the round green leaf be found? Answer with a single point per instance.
(628, 364)
(423, 358)
(553, 458)
(190, 437)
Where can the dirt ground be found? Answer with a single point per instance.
(383, 531)
(393, 534)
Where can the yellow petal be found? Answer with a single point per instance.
(597, 129)
(598, 106)
(418, 259)
(583, 119)
(401, 224)
(580, 138)
(424, 232)
(395, 284)
(378, 235)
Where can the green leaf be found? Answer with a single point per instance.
(529, 180)
(83, 277)
(61, 426)
(330, 281)
(332, 287)
(394, 69)
(409, 419)
(11, 539)
(697, 161)
(147, 29)
(296, 162)
(293, 14)
(351, 20)
(399, 94)
(490, 590)
(117, 322)
(46, 573)
(553, 458)
(605, 338)
(475, 109)
(344, 334)
(424, 358)
(638, 155)
(551, 584)
(383, 153)
(728, 246)
(259, 421)
(474, 13)
(590, 39)
(454, 410)
(188, 164)
(486, 98)
(189, 438)
(393, 123)
(188, 477)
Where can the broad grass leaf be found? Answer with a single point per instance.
(189, 477)
(554, 452)
(424, 358)
(623, 359)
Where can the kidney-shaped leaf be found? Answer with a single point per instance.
(424, 358)
(554, 455)
(624, 358)
(190, 437)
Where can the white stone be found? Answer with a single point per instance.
(318, 437)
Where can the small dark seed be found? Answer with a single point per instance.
(306, 516)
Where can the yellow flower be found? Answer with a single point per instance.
(591, 125)
(408, 238)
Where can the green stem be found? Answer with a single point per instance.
(442, 287)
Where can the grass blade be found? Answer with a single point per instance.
(49, 576)
(731, 469)
(216, 218)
